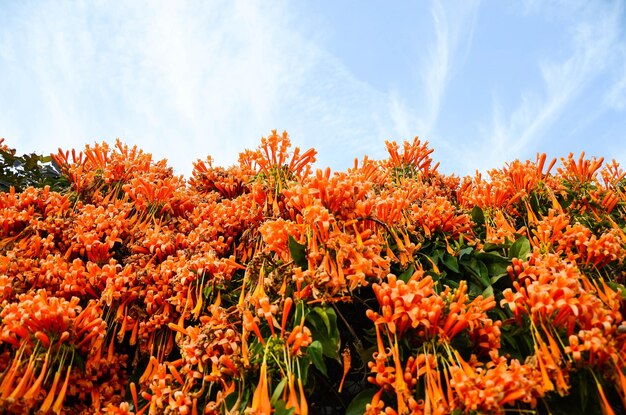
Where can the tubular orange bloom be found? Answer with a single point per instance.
(251, 325)
(304, 406)
(58, 403)
(35, 387)
(24, 381)
(286, 308)
(415, 154)
(605, 405)
(292, 400)
(347, 361)
(47, 403)
(261, 399)
(583, 171)
(133, 267)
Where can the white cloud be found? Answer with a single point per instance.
(595, 37)
(182, 80)
(454, 29)
(188, 79)
(615, 97)
(445, 53)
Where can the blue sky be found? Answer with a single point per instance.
(483, 82)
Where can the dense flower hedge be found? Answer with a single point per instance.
(271, 287)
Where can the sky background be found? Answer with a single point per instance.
(483, 82)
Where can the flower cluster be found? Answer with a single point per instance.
(274, 287)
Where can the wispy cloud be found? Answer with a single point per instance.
(615, 96)
(594, 39)
(182, 80)
(454, 29)
(188, 79)
(453, 25)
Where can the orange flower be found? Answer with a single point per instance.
(415, 157)
(261, 404)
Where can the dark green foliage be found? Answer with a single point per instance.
(28, 170)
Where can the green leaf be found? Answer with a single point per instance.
(208, 289)
(474, 289)
(488, 247)
(316, 351)
(436, 255)
(496, 278)
(483, 274)
(280, 408)
(478, 269)
(360, 401)
(31, 162)
(513, 347)
(451, 262)
(452, 284)
(407, 273)
(302, 311)
(305, 363)
(278, 390)
(496, 264)
(323, 313)
(497, 269)
(520, 248)
(29, 170)
(488, 292)
(298, 253)
(465, 251)
(323, 325)
(478, 217)
(332, 318)
(489, 257)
